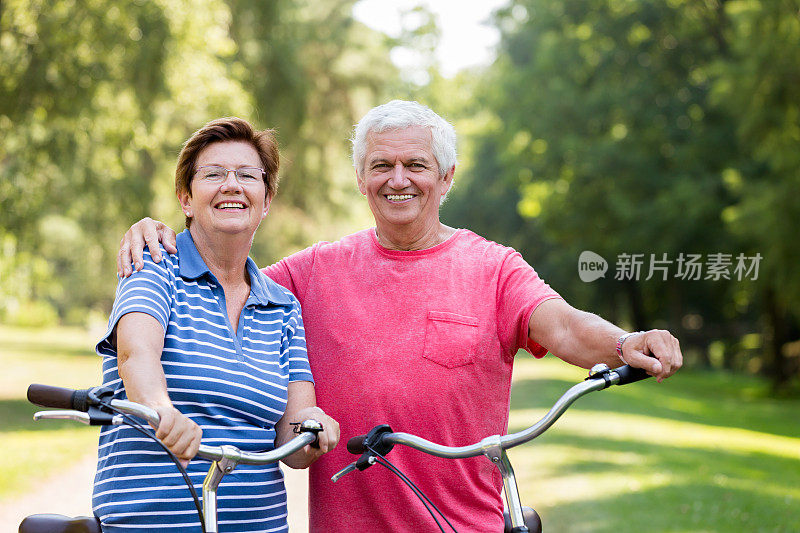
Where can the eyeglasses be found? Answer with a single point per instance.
(218, 174)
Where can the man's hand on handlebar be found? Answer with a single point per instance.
(146, 232)
(657, 351)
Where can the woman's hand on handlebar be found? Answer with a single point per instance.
(301, 405)
(327, 439)
(146, 232)
(178, 433)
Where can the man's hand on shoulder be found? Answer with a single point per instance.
(657, 351)
(146, 232)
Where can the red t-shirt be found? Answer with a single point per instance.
(423, 341)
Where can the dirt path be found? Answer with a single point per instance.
(69, 493)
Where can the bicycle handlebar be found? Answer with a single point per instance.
(380, 440)
(628, 374)
(58, 397)
(356, 445)
(598, 380)
(83, 400)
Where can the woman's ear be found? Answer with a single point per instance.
(185, 199)
(267, 203)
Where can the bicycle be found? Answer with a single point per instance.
(375, 445)
(95, 407)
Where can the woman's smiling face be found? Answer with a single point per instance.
(229, 205)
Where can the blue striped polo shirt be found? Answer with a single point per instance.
(232, 384)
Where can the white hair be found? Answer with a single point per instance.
(399, 115)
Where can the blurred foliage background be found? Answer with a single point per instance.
(617, 126)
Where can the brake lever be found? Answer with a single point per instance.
(343, 472)
(62, 414)
(93, 417)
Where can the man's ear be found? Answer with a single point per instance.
(448, 180)
(362, 187)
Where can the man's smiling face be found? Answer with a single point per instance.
(401, 178)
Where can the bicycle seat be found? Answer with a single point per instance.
(56, 523)
(531, 517)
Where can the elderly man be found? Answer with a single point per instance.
(416, 324)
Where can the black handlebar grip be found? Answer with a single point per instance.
(49, 396)
(629, 374)
(356, 445)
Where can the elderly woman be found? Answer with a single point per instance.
(214, 346)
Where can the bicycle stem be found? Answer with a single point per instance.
(224, 465)
(494, 451)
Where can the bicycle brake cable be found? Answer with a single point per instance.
(130, 421)
(416, 491)
(384, 462)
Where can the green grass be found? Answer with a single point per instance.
(33, 450)
(700, 452)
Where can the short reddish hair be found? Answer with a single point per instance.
(228, 129)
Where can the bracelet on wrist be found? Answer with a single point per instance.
(621, 340)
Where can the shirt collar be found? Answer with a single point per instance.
(263, 290)
(192, 265)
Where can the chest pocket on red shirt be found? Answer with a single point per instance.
(450, 339)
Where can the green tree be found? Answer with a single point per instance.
(96, 98)
(312, 71)
(760, 85)
(607, 139)
(78, 81)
